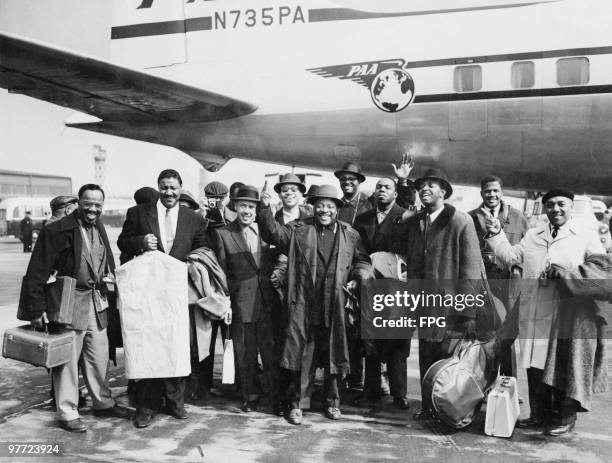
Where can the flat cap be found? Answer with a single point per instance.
(215, 190)
(62, 201)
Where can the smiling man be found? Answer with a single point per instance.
(246, 261)
(441, 246)
(176, 230)
(77, 246)
(562, 243)
(504, 282)
(323, 254)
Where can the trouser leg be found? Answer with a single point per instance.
(149, 392)
(539, 397)
(371, 386)
(355, 377)
(397, 371)
(429, 353)
(245, 344)
(94, 364)
(66, 383)
(174, 391)
(269, 355)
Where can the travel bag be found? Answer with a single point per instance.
(39, 348)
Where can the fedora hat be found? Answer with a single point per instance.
(324, 192)
(290, 179)
(247, 193)
(350, 168)
(436, 174)
(311, 191)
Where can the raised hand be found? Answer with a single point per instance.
(405, 167)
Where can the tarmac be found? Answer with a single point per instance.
(218, 431)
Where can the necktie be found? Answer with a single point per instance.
(555, 230)
(169, 232)
(492, 209)
(426, 229)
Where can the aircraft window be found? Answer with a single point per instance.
(523, 74)
(572, 71)
(468, 78)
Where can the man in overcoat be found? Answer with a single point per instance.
(245, 259)
(77, 246)
(563, 243)
(442, 249)
(323, 254)
(165, 226)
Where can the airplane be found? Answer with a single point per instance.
(518, 88)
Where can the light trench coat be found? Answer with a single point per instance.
(539, 300)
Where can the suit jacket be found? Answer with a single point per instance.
(377, 237)
(142, 220)
(59, 247)
(250, 288)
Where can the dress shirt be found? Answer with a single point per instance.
(161, 221)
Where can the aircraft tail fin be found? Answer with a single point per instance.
(136, 40)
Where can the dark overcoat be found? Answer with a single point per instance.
(298, 240)
(452, 258)
(59, 247)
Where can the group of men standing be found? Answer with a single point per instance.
(292, 275)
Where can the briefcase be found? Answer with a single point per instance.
(38, 348)
(60, 299)
(502, 408)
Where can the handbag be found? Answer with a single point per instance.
(229, 371)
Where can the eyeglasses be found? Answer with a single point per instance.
(289, 189)
(347, 178)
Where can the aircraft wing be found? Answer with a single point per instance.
(105, 90)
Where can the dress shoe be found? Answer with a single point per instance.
(401, 403)
(200, 394)
(143, 419)
(295, 416)
(333, 413)
(559, 430)
(531, 422)
(116, 411)
(75, 425)
(178, 413)
(250, 406)
(422, 415)
(279, 409)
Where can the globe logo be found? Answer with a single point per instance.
(392, 90)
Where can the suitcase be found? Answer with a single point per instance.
(38, 348)
(60, 299)
(502, 408)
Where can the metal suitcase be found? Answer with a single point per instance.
(38, 348)
(502, 408)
